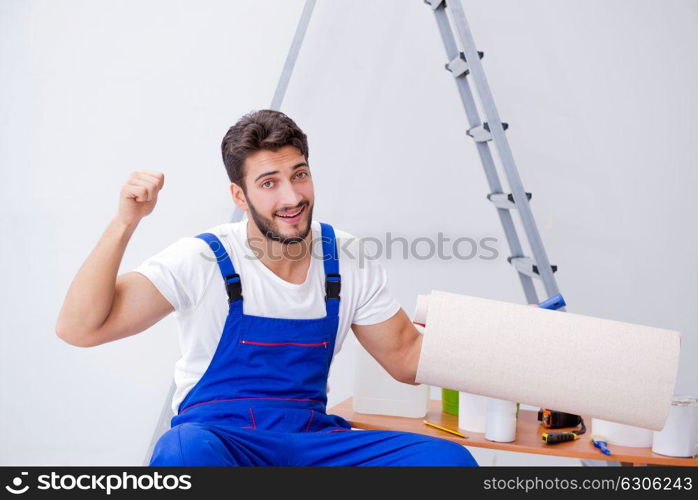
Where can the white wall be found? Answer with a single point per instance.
(599, 95)
(90, 91)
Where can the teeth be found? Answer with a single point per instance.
(291, 215)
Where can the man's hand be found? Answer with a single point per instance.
(101, 306)
(395, 344)
(138, 196)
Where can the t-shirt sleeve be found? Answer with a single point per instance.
(180, 272)
(375, 302)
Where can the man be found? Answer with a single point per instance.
(263, 305)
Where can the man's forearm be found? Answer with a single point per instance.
(89, 299)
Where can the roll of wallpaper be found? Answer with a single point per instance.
(472, 410)
(500, 423)
(622, 434)
(588, 366)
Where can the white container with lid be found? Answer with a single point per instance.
(679, 436)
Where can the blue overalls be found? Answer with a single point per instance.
(262, 399)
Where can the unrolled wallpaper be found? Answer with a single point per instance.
(589, 366)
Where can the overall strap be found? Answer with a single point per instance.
(333, 281)
(233, 286)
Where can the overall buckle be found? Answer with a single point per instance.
(234, 287)
(333, 284)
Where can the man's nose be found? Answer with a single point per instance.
(289, 196)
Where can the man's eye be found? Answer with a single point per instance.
(267, 184)
(302, 174)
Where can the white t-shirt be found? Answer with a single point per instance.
(187, 275)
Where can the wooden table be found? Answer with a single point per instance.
(528, 438)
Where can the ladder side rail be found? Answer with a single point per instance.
(292, 56)
(483, 150)
(504, 151)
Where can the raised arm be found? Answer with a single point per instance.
(100, 306)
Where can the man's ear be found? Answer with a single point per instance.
(238, 196)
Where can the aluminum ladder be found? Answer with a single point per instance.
(466, 67)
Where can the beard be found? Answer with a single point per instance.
(270, 228)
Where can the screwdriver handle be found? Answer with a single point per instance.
(558, 437)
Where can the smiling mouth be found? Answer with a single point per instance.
(292, 216)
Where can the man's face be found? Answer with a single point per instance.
(279, 194)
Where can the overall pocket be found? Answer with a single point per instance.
(294, 368)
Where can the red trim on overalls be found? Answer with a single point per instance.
(243, 399)
(312, 414)
(254, 422)
(317, 344)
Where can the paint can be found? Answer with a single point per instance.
(679, 436)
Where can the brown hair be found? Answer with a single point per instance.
(258, 130)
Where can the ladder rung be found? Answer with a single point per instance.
(435, 4)
(459, 66)
(503, 200)
(482, 133)
(525, 265)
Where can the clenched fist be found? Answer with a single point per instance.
(138, 195)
